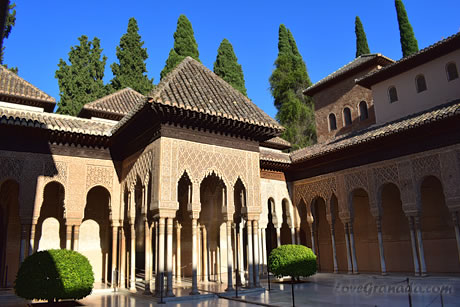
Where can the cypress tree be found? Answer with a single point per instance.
(130, 72)
(288, 80)
(80, 81)
(409, 43)
(226, 66)
(184, 45)
(10, 21)
(361, 41)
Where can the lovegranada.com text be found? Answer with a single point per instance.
(370, 288)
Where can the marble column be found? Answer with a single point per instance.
(194, 258)
(68, 236)
(178, 252)
(169, 253)
(242, 278)
(132, 265)
(205, 254)
(312, 233)
(255, 235)
(161, 255)
(199, 253)
(157, 244)
(278, 236)
(147, 248)
(114, 254)
(76, 237)
(250, 255)
(353, 249)
(383, 268)
(22, 247)
(32, 247)
(264, 250)
(297, 235)
(122, 258)
(413, 245)
(347, 242)
(334, 250)
(292, 235)
(229, 257)
(421, 252)
(457, 232)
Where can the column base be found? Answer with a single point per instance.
(355, 273)
(132, 290)
(336, 272)
(350, 273)
(424, 274)
(384, 274)
(229, 289)
(147, 290)
(169, 293)
(194, 292)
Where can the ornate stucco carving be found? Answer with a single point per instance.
(56, 171)
(99, 175)
(10, 168)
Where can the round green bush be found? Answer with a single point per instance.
(292, 260)
(53, 275)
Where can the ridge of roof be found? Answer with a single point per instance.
(350, 66)
(12, 85)
(119, 102)
(412, 121)
(409, 62)
(277, 143)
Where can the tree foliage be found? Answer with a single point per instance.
(361, 41)
(292, 260)
(287, 82)
(226, 66)
(184, 45)
(53, 275)
(80, 81)
(131, 69)
(10, 21)
(409, 44)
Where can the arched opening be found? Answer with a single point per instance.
(441, 254)
(322, 236)
(305, 234)
(51, 224)
(365, 233)
(10, 232)
(184, 191)
(213, 228)
(95, 233)
(395, 231)
(240, 233)
(339, 235)
(420, 83)
(347, 116)
(139, 226)
(363, 113)
(332, 122)
(286, 235)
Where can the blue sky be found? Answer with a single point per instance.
(324, 30)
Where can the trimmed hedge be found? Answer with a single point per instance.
(292, 260)
(53, 275)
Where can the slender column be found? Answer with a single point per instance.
(199, 249)
(255, 234)
(194, 258)
(353, 249)
(114, 254)
(169, 252)
(147, 246)
(250, 255)
(68, 236)
(132, 265)
(264, 250)
(76, 237)
(22, 248)
(420, 245)
(457, 232)
(240, 253)
(312, 232)
(334, 250)
(161, 254)
(123, 258)
(178, 252)
(347, 241)
(382, 254)
(292, 235)
(278, 236)
(414, 245)
(32, 247)
(205, 253)
(229, 257)
(297, 235)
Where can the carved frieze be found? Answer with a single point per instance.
(57, 171)
(11, 168)
(99, 175)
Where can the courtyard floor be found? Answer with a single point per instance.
(321, 290)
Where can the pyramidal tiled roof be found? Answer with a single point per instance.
(14, 88)
(118, 103)
(192, 86)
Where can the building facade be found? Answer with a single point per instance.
(192, 181)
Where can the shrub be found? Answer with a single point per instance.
(53, 275)
(292, 260)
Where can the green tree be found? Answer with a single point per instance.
(361, 41)
(10, 21)
(226, 66)
(409, 43)
(184, 45)
(80, 81)
(131, 70)
(287, 82)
